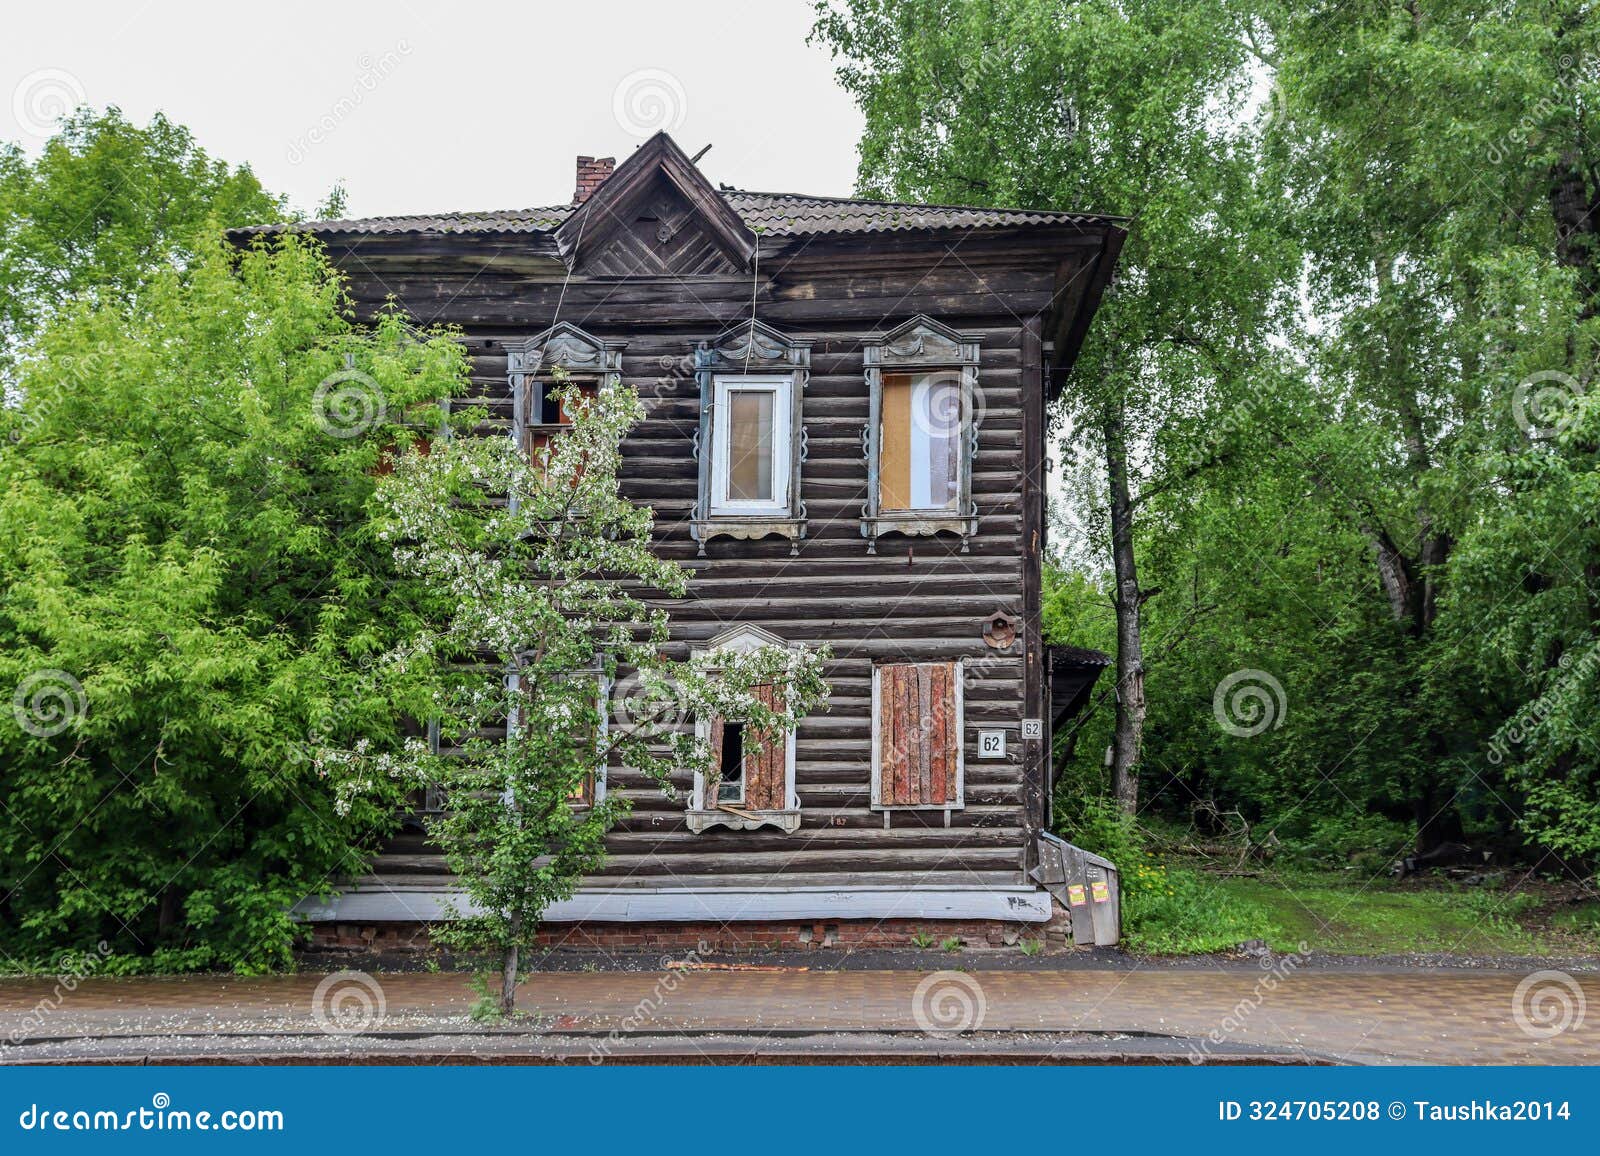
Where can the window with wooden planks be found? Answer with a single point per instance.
(917, 748)
(749, 781)
(750, 769)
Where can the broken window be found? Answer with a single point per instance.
(748, 781)
(548, 416)
(751, 766)
(917, 728)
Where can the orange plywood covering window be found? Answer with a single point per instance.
(894, 457)
(751, 768)
(919, 734)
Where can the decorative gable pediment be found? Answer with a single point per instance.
(743, 639)
(922, 341)
(656, 215)
(659, 235)
(753, 344)
(566, 346)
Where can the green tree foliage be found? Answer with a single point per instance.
(1353, 345)
(191, 600)
(1111, 107)
(103, 207)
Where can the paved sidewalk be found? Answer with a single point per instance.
(1423, 1016)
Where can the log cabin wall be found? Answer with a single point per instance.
(916, 599)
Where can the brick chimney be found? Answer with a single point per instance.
(591, 172)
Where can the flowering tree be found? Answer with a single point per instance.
(534, 577)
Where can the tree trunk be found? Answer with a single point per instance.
(1129, 600)
(508, 975)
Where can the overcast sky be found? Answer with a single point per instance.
(422, 107)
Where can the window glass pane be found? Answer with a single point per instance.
(750, 445)
(936, 413)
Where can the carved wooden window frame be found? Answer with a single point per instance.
(701, 815)
(530, 364)
(921, 345)
(756, 350)
(781, 386)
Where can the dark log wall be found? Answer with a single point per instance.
(917, 599)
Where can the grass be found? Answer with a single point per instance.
(1387, 918)
(1179, 910)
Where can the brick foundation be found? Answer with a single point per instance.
(709, 938)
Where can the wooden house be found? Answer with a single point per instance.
(846, 443)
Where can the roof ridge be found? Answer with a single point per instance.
(921, 204)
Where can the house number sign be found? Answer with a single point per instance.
(991, 744)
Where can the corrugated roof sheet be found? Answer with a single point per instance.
(772, 214)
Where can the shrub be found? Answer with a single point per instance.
(1366, 841)
(192, 600)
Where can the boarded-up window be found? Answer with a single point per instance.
(917, 735)
(919, 459)
(751, 768)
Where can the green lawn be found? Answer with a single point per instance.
(1182, 911)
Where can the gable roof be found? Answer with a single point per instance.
(658, 159)
(735, 215)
